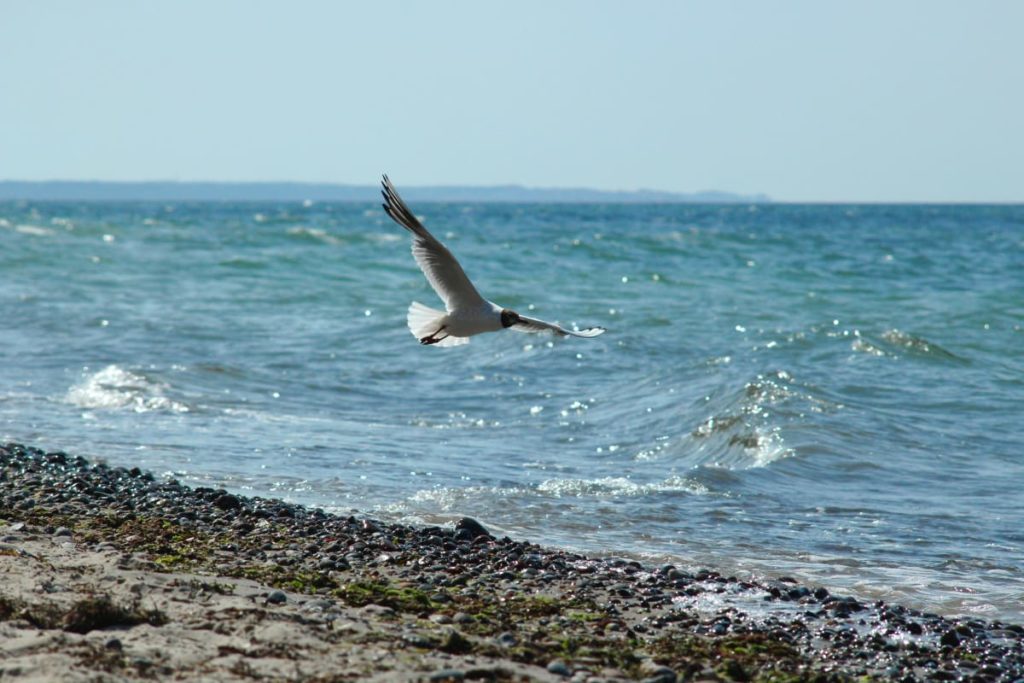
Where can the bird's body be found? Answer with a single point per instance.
(467, 313)
(454, 327)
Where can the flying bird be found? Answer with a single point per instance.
(466, 312)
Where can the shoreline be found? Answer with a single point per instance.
(108, 573)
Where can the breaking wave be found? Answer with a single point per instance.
(114, 388)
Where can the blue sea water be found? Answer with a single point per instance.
(833, 393)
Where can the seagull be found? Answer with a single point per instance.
(466, 312)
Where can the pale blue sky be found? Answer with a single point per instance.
(802, 100)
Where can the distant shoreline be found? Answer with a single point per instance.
(75, 190)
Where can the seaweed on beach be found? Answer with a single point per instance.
(91, 613)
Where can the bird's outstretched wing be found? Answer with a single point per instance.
(525, 324)
(443, 271)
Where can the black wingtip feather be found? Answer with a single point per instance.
(396, 208)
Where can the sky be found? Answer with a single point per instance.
(864, 100)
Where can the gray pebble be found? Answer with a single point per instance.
(378, 610)
(559, 668)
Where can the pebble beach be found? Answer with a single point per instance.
(112, 574)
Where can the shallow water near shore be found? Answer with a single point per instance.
(832, 393)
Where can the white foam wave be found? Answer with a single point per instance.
(615, 487)
(35, 230)
(114, 388)
(454, 498)
(317, 234)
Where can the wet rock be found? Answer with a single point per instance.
(950, 638)
(277, 597)
(474, 528)
(798, 592)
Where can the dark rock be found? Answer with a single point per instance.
(798, 592)
(227, 501)
(473, 527)
(734, 670)
(277, 597)
(950, 638)
(455, 643)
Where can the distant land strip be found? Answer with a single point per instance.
(74, 190)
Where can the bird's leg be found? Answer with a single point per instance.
(433, 338)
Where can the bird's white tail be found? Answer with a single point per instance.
(424, 321)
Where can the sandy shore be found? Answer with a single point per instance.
(108, 574)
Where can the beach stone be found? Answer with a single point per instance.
(378, 610)
(417, 640)
(277, 597)
(559, 668)
(447, 676)
(474, 528)
(735, 671)
(113, 644)
(456, 643)
(321, 605)
(227, 502)
(656, 673)
(950, 638)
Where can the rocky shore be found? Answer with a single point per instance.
(110, 574)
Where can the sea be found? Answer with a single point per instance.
(832, 393)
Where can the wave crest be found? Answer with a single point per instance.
(114, 388)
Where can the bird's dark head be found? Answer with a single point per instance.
(508, 318)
